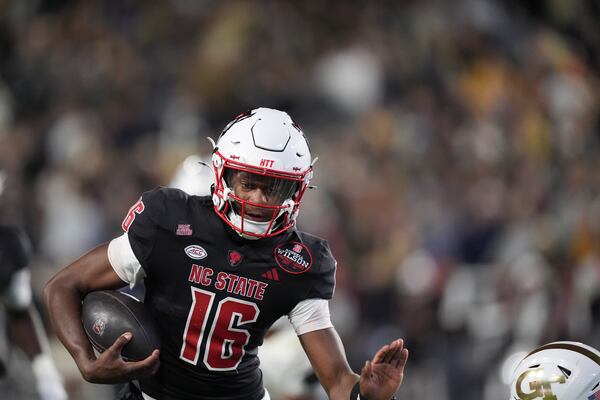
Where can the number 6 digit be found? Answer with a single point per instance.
(137, 208)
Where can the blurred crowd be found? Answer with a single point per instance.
(458, 145)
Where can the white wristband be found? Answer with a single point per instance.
(48, 381)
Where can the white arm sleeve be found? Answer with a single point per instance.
(124, 261)
(17, 295)
(310, 315)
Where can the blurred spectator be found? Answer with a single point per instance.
(460, 140)
(22, 335)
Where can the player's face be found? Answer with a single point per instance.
(260, 189)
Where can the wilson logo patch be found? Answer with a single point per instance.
(294, 257)
(195, 252)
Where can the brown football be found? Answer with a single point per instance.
(107, 314)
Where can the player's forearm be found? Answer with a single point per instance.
(326, 352)
(342, 388)
(64, 305)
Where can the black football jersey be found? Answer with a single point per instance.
(14, 253)
(215, 294)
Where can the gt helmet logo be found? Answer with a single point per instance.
(557, 371)
(541, 386)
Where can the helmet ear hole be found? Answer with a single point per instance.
(565, 371)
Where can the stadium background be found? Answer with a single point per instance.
(458, 146)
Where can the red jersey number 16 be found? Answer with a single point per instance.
(226, 341)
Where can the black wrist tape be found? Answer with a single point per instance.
(355, 391)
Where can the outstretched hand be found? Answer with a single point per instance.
(109, 367)
(381, 377)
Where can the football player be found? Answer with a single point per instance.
(558, 371)
(23, 323)
(286, 371)
(219, 271)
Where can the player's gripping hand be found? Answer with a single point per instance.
(109, 366)
(381, 377)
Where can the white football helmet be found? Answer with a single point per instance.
(558, 371)
(264, 146)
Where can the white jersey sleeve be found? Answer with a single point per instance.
(124, 261)
(310, 315)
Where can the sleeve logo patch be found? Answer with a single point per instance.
(294, 258)
(195, 252)
(184, 230)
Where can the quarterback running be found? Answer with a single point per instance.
(218, 271)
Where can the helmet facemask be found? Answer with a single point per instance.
(258, 204)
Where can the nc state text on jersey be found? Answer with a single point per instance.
(231, 283)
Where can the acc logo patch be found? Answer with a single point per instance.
(195, 252)
(293, 257)
(99, 326)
